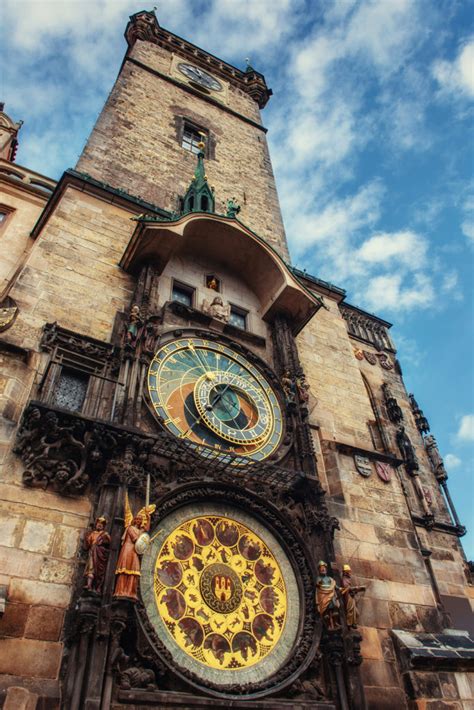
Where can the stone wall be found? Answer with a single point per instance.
(377, 536)
(134, 145)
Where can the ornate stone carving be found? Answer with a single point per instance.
(420, 420)
(406, 449)
(232, 208)
(217, 309)
(8, 313)
(437, 463)
(363, 465)
(394, 412)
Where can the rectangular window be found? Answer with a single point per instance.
(182, 293)
(192, 137)
(71, 390)
(238, 317)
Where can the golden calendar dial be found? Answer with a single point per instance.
(208, 393)
(221, 594)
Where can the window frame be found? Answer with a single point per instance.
(191, 127)
(176, 284)
(239, 311)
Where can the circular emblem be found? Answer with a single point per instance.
(221, 594)
(221, 588)
(210, 394)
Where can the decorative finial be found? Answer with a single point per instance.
(202, 142)
(249, 67)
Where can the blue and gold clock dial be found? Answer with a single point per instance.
(210, 394)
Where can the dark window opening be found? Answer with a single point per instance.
(204, 203)
(192, 136)
(71, 390)
(238, 317)
(183, 293)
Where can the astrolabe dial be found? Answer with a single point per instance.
(209, 394)
(199, 76)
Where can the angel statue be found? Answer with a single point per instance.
(135, 540)
(217, 309)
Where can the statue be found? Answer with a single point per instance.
(233, 208)
(211, 283)
(326, 599)
(128, 564)
(97, 542)
(217, 309)
(303, 389)
(435, 458)
(406, 449)
(134, 327)
(348, 593)
(288, 387)
(394, 412)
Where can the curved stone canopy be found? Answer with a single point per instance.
(227, 242)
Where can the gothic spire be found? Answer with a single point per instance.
(199, 196)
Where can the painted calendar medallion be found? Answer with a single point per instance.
(221, 594)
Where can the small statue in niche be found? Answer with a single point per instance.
(232, 208)
(217, 309)
(151, 334)
(406, 449)
(348, 592)
(134, 327)
(212, 283)
(128, 564)
(326, 599)
(303, 389)
(97, 543)
(435, 458)
(288, 387)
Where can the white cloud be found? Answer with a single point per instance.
(393, 292)
(406, 247)
(457, 77)
(452, 461)
(466, 428)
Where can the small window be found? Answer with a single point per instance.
(238, 317)
(71, 390)
(182, 293)
(192, 136)
(213, 282)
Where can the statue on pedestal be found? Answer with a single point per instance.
(128, 564)
(348, 592)
(326, 599)
(97, 542)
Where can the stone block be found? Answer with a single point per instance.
(14, 619)
(37, 536)
(20, 699)
(465, 684)
(448, 685)
(44, 623)
(385, 698)
(58, 571)
(27, 591)
(370, 646)
(66, 542)
(30, 658)
(420, 684)
(8, 525)
(380, 673)
(404, 616)
(20, 563)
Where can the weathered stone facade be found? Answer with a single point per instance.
(353, 481)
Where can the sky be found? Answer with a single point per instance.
(370, 131)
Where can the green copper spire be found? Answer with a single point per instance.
(199, 197)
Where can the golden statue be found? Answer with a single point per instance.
(348, 593)
(326, 599)
(135, 540)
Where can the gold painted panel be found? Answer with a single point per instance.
(220, 592)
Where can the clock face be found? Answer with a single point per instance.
(210, 394)
(199, 76)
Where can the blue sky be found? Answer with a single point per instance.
(370, 131)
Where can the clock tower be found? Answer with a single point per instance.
(209, 441)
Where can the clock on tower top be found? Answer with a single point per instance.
(145, 26)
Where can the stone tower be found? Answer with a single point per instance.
(200, 444)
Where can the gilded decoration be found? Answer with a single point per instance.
(221, 594)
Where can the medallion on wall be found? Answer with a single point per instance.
(221, 594)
